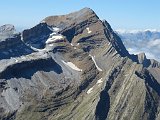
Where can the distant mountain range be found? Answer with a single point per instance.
(147, 41)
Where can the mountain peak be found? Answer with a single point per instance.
(7, 28)
(86, 10)
(6, 31)
(47, 71)
(141, 57)
(71, 18)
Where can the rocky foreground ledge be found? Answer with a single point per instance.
(74, 67)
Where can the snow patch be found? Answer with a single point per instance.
(21, 37)
(99, 81)
(37, 50)
(51, 45)
(90, 90)
(72, 44)
(93, 58)
(54, 38)
(55, 29)
(71, 65)
(89, 31)
(53, 34)
(15, 60)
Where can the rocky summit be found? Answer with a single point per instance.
(75, 67)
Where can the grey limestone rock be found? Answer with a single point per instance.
(75, 67)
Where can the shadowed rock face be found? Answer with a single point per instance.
(37, 35)
(11, 44)
(75, 67)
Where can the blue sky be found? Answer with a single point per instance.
(121, 14)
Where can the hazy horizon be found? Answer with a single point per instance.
(120, 14)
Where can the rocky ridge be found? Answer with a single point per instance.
(75, 67)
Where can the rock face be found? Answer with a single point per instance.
(6, 31)
(8, 28)
(75, 67)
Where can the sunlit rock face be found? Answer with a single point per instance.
(75, 67)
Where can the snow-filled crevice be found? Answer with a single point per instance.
(93, 58)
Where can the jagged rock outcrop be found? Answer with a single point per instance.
(11, 44)
(37, 35)
(77, 68)
(7, 29)
(142, 59)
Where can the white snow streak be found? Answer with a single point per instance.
(72, 44)
(93, 58)
(71, 65)
(90, 90)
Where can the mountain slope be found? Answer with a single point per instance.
(75, 67)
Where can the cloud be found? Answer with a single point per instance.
(154, 43)
(143, 42)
